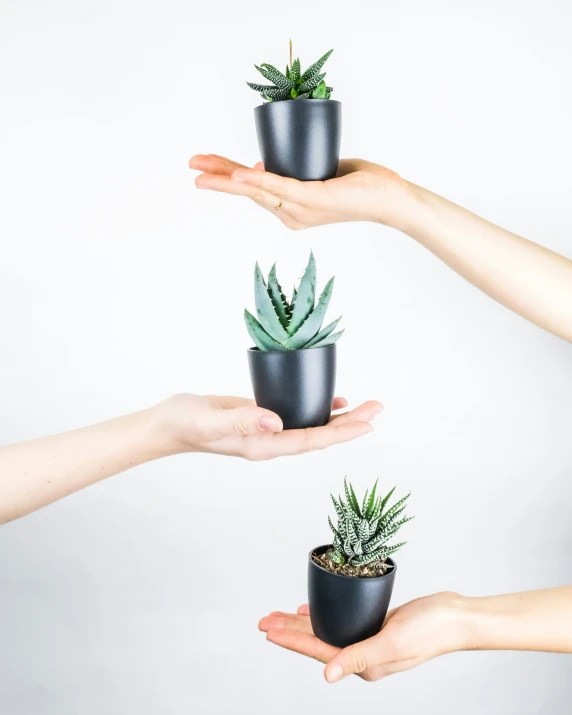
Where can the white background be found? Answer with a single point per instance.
(121, 284)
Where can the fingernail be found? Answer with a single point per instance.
(334, 674)
(238, 180)
(269, 424)
(200, 186)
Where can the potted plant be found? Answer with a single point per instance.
(350, 580)
(293, 363)
(299, 127)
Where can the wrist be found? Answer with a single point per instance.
(161, 432)
(401, 202)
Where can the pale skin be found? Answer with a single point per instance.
(36, 473)
(527, 278)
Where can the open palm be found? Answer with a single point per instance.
(412, 634)
(362, 191)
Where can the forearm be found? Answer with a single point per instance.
(525, 277)
(534, 621)
(36, 473)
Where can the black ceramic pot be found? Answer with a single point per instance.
(346, 609)
(296, 384)
(300, 138)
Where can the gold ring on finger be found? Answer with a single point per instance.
(277, 208)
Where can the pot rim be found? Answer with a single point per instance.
(341, 575)
(266, 104)
(299, 350)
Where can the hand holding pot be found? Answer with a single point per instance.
(412, 634)
(362, 191)
(235, 426)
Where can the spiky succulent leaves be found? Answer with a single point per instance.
(259, 336)
(295, 325)
(320, 92)
(362, 534)
(314, 69)
(269, 92)
(311, 83)
(295, 70)
(323, 333)
(275, 76)
(330, 340)
(311, 326)
(278, 298)
(265, 309)
(293, 84)
(305, 297)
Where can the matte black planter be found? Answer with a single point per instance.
(300, 138)
(296, 384)
(346, 609)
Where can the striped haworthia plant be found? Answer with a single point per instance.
(294, 324)
(362, 533)
(293, 84)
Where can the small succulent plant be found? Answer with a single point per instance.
(295, 324)
(293, 84)
(362, 533)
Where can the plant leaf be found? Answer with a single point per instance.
(368, 508)
(261, 339)
(311, 83)
(320, 91)
(278, 298)
(305, 296)
(275, 76)
(383, 502)
(295, 71)
(311, 326)
(330, 340)
(322, 334)
(351, 497)
(305, 95)
(315, 68)
(265, 309)
(278, 95)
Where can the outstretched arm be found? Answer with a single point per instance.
(525, 277)
(36, 473)
(433, 626)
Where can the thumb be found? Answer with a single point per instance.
(352, 660)
(251, 420)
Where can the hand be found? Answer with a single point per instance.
(236, 426)
(413, 633)
(362, 191)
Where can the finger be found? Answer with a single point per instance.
(364, 413)
(303, 610)
(290, 189)
(259, 166)
(355, 659)
(339, 403)
(298, 624)
(299, 441)
(214, 164)
(302, 643)
(229, 402)
(223, 184)
(246, 421)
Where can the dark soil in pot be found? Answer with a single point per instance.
(296, 384)
(300, 139)
(346, 609)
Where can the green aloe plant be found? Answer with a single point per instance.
(293, 84)
(362, 532)
(295, 324)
